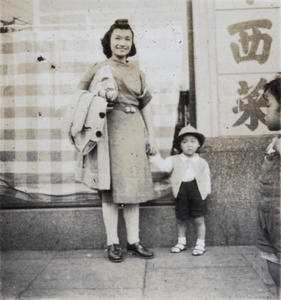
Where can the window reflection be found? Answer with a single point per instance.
(47, 46)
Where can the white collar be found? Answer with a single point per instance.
(185, 158)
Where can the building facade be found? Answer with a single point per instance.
(205, 62)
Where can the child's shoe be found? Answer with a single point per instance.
(198, 250)
(178, 248)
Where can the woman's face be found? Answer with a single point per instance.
(272, 118)
(121, 42)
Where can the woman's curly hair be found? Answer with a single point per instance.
(105, 41)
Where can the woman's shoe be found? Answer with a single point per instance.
(114, 253)
(140, 250)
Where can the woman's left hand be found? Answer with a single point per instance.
(151, 147)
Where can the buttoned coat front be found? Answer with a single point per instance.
(85, 123)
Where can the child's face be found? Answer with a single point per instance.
(189, 145)
(272, 118)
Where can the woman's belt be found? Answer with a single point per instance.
(127, 108)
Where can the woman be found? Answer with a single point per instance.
(131, 179)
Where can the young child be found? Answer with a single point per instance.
(268, 234)
(190, 179)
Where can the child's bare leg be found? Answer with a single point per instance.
(200, 227)
(181, 224)
(201, 232)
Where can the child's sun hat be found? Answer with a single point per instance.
(193, 131)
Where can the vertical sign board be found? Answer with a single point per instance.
(248, 56)
(245, 40)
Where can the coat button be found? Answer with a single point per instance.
(98, 134)
(102, 115)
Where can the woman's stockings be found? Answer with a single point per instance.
(131, 216)
(110, 219)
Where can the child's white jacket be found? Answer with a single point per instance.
(178, 165)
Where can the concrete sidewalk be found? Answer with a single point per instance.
(221, 273)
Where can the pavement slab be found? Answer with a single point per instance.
(234, 272)
(84, 294)
(207, 283)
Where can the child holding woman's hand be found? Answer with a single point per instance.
(191, 184)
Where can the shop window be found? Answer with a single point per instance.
(46, 48)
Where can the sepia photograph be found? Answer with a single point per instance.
(140, 149)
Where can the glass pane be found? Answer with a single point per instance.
(46, 48)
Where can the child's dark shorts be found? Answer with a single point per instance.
(189, 202)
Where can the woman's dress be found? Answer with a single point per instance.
(131, 178)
